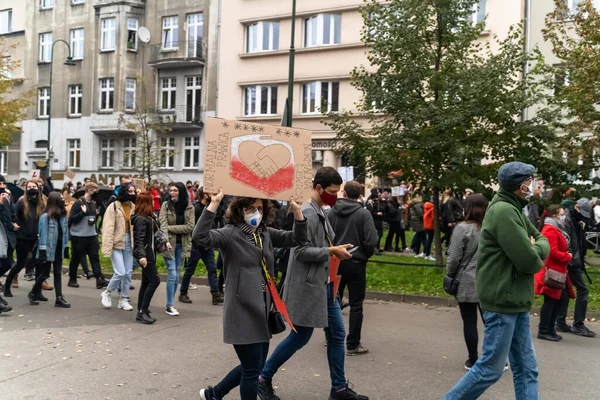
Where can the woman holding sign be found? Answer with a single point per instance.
(247, 248)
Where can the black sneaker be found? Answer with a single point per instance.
(469, 364)
(2, 301)
(582, 330)
(5, 308)
(265, 390)
(29, 277)
(209, 394)
(144, 318)
(346, 394)
(61, 303)
(149, 315)
(564, 328)
(73, 284)
(548, 336)
(357, 351)
(101, 283)
(33, 299)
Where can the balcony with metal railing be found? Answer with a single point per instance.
(178, 54)
(181, 117)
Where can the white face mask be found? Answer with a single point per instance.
(562, 218)
(253, 220)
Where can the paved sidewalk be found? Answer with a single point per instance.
(90, 353)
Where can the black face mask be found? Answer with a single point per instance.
(132, 198)
(95, 196)
(32, 192)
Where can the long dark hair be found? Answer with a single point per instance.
(551, 211)
(183, 201)
(53, 206)
(235, 211)
(39, 205)
(475, 207)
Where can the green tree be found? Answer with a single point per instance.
(438, 100)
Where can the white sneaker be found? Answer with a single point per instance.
(172, 311)
(430, 258)
(422, 255)
(124, 304)
(193, 286)
(106, 300)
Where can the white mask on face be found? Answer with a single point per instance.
(253, 220)
(562, 218)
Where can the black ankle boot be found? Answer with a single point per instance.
(144, 318)
(41, 297)
(61, 302)
(5, 308)
(33, 299)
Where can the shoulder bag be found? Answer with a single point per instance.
(451, 283)
(554, 279)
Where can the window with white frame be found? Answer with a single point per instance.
(107, 94)
(191, 152)
(320, 96)
(195, 31)
(132, 34)
(262, 36)
(167, 152)
(6, 21)
(479, 12)
(130, 84)
(46, 4)
(170, 32)
(4, 162)
(260, 100)
(322, 30)
(129, 149)
(573, 4)
(45, 47)
(77, 44)
(75, 100)
(74, 156)
(108, 37)
(193, 91)
(168, 93)
(43, 102)
(107, 147)
(74, 2)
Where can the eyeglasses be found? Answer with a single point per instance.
(174, 191)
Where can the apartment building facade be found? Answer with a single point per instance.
(253, 65)
(129, 57)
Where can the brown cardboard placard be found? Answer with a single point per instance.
(139, 184)
(259, 161)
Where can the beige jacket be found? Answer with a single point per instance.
(113, 228)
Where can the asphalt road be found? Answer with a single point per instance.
(87, 352)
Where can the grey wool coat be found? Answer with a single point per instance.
(462, 260)
(305, 288)
(246, 306)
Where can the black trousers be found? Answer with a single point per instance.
(428, 241)
(24, 249)
(549, 312)
(419, 239)
(82, 246)
(468, 312)
(252, 360)
(581, 300)
(379, 229)
(6, 263)
(354, 275)
(44, 272)
(395, 229)
(150, 281)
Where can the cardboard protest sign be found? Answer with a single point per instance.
(255, 160)
(139, 184)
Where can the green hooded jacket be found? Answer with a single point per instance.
(506, 259)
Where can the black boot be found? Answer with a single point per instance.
(5, 307)
(41, 297)
(61, 302)
(33, 299)
(101, 283)
(144, 318)
(73, 284)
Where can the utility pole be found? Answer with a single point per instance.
(289, 102)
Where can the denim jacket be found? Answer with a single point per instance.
(48, 236)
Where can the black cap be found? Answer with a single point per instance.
(2, 179)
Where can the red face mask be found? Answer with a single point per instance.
(329, 199)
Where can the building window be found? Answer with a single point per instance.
(195, 31)
(132, 29)
(45, 47)
(108, 152)
(46, 4)
(41, 144)
(4, 162)
(77, 44)
(320, 96)
(261, 100)
(5, 21)
(479, 10)
(573, 4)
(322, 30)
(109, 34)
(75, 2)
(168, 92)
(167, 152)
(75, 100)
(130, 84)
(129, 149)
(191, 152)
(44, 102)
(193, 98)
(74, 146)
(107, 94)
(170, 32)
(262, 36)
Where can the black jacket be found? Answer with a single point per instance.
(393, 213)
(7, 218)
(144, 229)
(375, 206)
(354, 225)
(577, 243)
(28, 225)
(452, 212)
(77, 214)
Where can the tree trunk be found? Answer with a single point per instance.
(439, 258)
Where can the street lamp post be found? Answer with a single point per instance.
(287, 119)
(69, 61)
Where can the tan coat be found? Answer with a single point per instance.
(168, 225)
(113, 228)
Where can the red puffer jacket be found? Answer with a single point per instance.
(428, 215)
(557, 260)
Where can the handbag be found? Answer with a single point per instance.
(276, 322)
(554, 279)
(160, 241)
(451, 283)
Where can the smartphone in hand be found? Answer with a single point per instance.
(352, 250)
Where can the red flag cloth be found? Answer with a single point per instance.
(279, 304)
(334, 277)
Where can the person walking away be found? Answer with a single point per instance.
(8, 220)
(553, 228)
(247, 246)
(376, 208)
(28, 210)
(416, 215)
(84, 238)
(576, 221)
(177, 223)
(69, 201)
(53, 233)
(428, 224)
(309, 294)
(462, 264)
(393, 212)
(117, 243)
(156, 196)
(208, 258)
(511, 251)
(353, 224)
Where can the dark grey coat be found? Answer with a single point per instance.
(305, 289)
(246, 303)
(462, 260)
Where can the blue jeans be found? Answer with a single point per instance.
(208, 257)
(122, 262)
(335, 335)
(252, 359)
(173, 271)
(505, 335)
